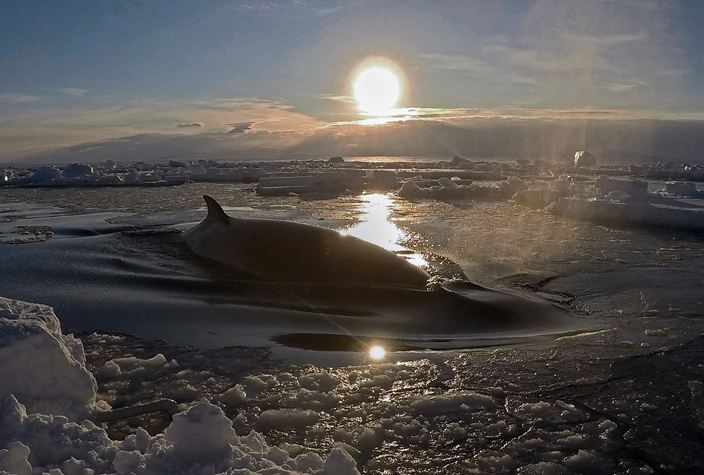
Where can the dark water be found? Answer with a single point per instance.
(131, 273)
(113, 260)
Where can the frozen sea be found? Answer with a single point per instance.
(617, 387)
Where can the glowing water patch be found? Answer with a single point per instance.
(375, 226)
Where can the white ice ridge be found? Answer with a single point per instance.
(46, 390)
(43, 368)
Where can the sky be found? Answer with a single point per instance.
(96, 79)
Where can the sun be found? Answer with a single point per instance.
(377, 352)
(376, 90)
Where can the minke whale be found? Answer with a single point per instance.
(342, 293)
(277, 250)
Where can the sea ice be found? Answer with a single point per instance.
(200, 440)
(43, 368)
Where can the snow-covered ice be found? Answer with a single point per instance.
(39, 365)
(584, 404)
(44, 370)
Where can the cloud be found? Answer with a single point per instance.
(189, 124)
(527, 134)
(17, 98)
(25, 132)
(515, 137)
(239, 128)
(73, 91)
(337, 98)
(298, 8)
(460, 63)
(619, 88)
(569, 53)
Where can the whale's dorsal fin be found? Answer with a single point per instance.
(215, 212)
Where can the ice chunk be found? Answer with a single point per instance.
(77, 170)
(53, 440)
(582, 158)
(339, 462)
(132, 177)
(618, 195)
(13, 459)
(536, 198)
(133, 365)
(308, 462)
(235, 396)
(322, 381)
(177, 164)
(286, 419)
(637, 213)
(446, 182)
(370, 438)
(409, 189)
(127, 462)
(587, 461)
(681, 188)
(544, 468)
(202, 434)
(451, 403)
(636, 188)
(44, 369)
(43, 174)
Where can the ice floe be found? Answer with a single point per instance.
(48, 400)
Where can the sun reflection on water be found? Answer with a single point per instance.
(375, 226)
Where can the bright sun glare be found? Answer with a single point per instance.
(376, 90)
(377, 352)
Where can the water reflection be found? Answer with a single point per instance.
(375, 226)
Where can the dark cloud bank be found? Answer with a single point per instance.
(611, 140)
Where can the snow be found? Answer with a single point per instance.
(322, 381)
(641, 213)
(44, 369)
(202, 435)
(282, 419)
(13, 459)
(682, 188)
(339, 462)
(134, 366)
(52, 439)
(200, 439)
(451, 403)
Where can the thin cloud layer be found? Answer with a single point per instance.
(25, 133)
(18, 98)
(73, 91)
(239, 128)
